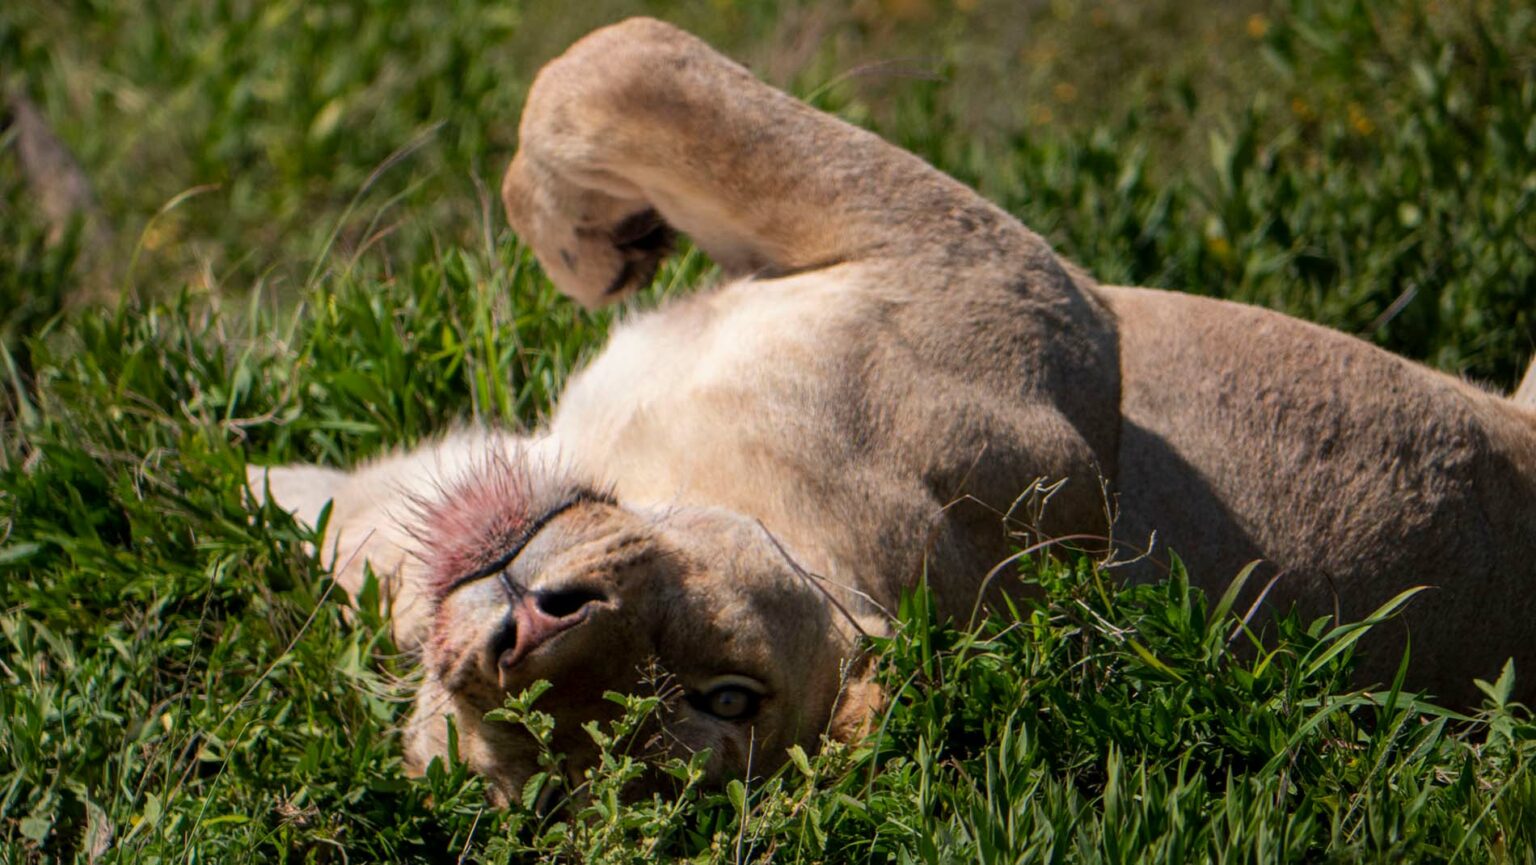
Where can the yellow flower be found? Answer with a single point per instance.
(908, 10)
(1258, 25)
(1359, 121)
(1065, 92)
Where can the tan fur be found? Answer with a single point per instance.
(899, 381)
(1525, 394)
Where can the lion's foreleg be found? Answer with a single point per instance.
(641, 126)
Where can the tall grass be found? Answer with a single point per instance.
(179, 682)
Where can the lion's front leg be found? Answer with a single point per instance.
(641, 126)
(597, 240)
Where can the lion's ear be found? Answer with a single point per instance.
(858, 708)
(301, 490)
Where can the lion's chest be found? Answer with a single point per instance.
(704, 397)
(845, 416)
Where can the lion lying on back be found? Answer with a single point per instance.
(897, 376)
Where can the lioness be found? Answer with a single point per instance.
(897, 381)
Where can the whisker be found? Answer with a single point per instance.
(810, 580)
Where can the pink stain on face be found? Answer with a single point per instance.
(478, 517)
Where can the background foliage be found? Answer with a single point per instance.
(307, 263)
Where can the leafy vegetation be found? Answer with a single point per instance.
(311, 268)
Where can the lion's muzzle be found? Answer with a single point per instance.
(539, 617)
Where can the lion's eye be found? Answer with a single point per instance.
(730, 702)
(731, 697)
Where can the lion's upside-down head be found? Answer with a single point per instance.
(528, 575)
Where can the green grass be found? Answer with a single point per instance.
(178, 682)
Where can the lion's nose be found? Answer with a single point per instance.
(538, 617)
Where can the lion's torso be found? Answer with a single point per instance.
(844, 413)
(829, 406)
